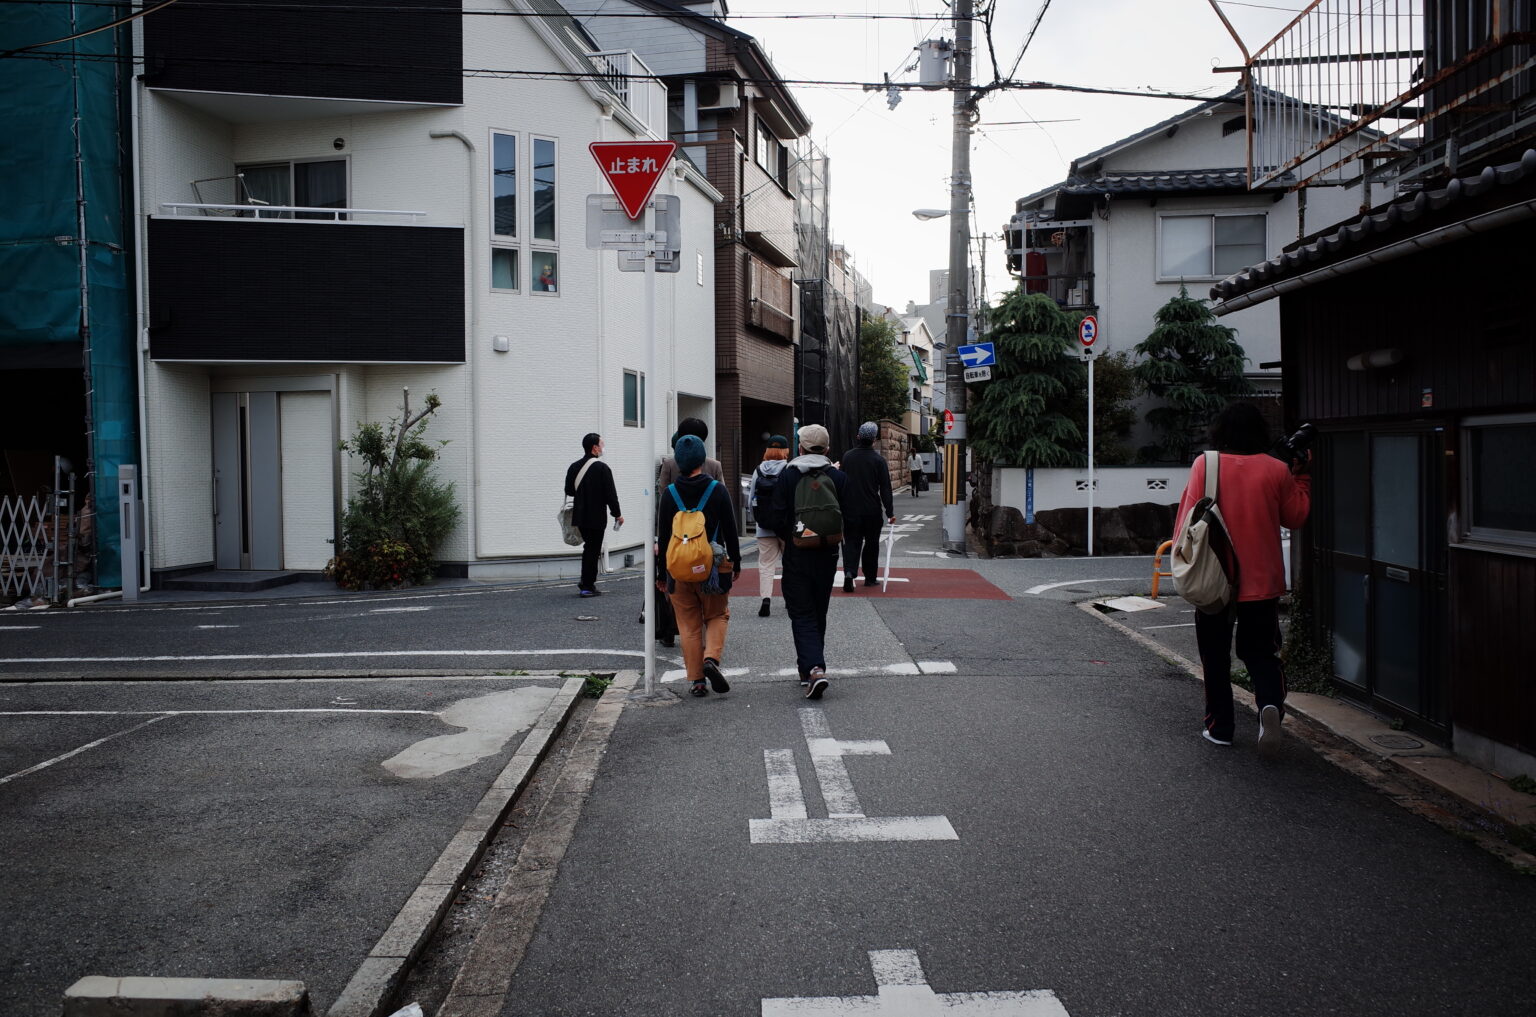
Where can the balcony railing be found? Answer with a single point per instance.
(634, 84)
(301, 212)
(1351, 80)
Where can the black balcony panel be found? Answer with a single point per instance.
(248, 290)
(365, 49)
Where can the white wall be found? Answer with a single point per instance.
(1068, 488)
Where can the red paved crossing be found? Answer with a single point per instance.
(921, 584)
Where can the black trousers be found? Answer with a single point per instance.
(1258, 647)
(591, 547)
(861, 545)
(807, 589)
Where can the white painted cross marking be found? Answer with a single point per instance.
(903, 991)
(845, 822)
(910, 518)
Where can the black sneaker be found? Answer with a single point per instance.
(1269, 728)
(871, 582)
(716, 678)
(816, 683)
(762, 612)
(699, 688)
(847, 584)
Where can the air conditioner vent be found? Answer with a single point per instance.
(714, 95)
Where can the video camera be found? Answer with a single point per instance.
(1293, 448)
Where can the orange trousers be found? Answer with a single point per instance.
(702, 619)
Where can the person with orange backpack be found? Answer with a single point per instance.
(698, 556)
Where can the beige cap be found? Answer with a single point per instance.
(814, 438)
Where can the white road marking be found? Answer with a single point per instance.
(1181, 625)
(913, 518)
(837, 580)
(192, 713)
(1073, 582)
(398, 610)
(845, 822)
(488, 723)
(937, 666)
(1134, 604)
(906, 667)
(218, 626)
(902, 990)
(83, 748)
(18, 628)
(336, 655)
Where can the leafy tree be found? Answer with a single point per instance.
(1024, 415)
(1195, 366)
(400, 512)
(1114, 391)
(883, 373)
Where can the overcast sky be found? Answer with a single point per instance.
(885, 163)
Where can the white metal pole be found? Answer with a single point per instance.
(1091, 359)
(649, 438)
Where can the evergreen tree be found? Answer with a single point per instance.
(1195, 366)
(883, 391)
(1023, 416)
(1114, 416)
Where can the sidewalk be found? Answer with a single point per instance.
(1502, 819)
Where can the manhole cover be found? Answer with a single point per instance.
(1397, 741)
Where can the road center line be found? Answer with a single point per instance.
(83, 748)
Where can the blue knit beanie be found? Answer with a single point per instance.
(689, 453)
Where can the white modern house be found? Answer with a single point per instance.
(316, 235)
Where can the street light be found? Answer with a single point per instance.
(929, 213)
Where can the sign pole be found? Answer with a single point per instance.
(649, 409)
(1091, 359)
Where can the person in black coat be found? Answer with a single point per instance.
(808, 571)
(866, 506)
(595, 497)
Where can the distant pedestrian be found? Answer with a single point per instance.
(669, 472)
(915, 470)
(1257, 495)
(866, 506)
(589, 482)
(695, 521)
(807, 513)
(770, 546)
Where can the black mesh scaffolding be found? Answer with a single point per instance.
(832, 297)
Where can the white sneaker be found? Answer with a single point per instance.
(1212, 738)
(1269, 728)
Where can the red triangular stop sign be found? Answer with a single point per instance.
(633, 169)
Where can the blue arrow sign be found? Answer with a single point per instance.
(980, 355)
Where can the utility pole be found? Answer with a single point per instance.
(958, 309)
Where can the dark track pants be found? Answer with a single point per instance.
(1258, 647)
(861, 546)
(807, 589)
(591, 547)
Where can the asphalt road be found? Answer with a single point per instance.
(1104, 853)
(261, 829)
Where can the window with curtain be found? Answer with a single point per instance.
(321, 184)
(1208, 246)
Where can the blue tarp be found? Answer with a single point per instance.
(44, 100)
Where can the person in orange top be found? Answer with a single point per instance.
(1257, 494)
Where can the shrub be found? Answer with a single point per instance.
(400, 512)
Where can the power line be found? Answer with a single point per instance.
(552, 75)
(90, 31)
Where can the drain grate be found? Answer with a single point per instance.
(1397, 741)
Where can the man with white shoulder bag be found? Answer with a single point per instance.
(1228, 563)
(589, 484)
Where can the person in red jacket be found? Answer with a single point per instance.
(1257, 494)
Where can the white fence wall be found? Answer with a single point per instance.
(1068, 488)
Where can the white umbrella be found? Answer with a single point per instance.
(890, 548)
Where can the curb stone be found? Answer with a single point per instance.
(372, 986)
